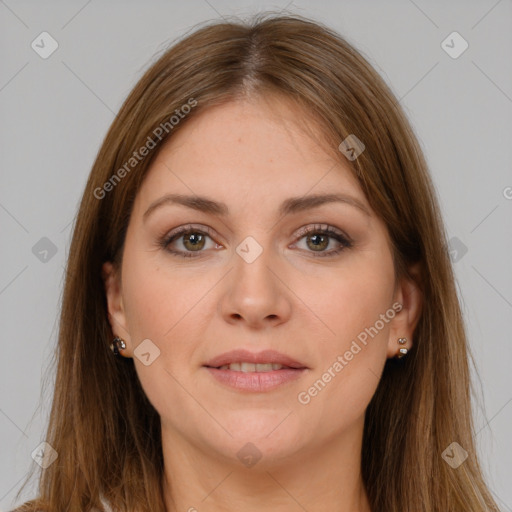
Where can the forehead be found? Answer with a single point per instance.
(264, 150)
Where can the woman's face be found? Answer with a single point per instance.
(256, 274)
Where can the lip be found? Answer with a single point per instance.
(265, 356)
(256, 382)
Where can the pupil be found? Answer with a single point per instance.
(317, 241)
(194, 238)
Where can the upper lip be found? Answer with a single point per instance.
(265, 356)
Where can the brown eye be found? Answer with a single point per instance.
(187, 240)
(193, 241)
(319, 237)
(317, 242)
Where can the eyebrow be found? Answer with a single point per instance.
(289, 206)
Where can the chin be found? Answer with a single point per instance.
(265, 435)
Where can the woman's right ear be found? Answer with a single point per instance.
(113, 292)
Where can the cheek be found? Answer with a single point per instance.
(146, 298)
(356, 306)
(171, 307)
(350, 298)
(163, 308)
(157, 300)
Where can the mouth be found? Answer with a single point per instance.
(255, 372)
(246, 367)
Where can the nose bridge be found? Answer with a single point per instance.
(255, 293)
(252, 261)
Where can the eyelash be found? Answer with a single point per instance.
(346, 243)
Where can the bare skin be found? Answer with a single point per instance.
(290, 299)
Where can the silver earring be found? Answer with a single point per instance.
(402, 351)
(116, 345)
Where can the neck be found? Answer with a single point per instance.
(326, 477)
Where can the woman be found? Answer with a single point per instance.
(259, 310)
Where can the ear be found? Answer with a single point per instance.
(116, 313)
(409, 295)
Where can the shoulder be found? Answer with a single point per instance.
(26, 507)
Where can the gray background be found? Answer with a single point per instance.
(55, 112)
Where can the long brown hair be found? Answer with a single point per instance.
(105, 431)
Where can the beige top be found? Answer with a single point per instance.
(105, 504)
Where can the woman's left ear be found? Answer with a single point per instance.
(410, 296)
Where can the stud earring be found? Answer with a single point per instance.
(402, 351)
(116, 345)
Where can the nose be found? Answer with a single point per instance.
(256, 293)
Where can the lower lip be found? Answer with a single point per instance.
(256, 381)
